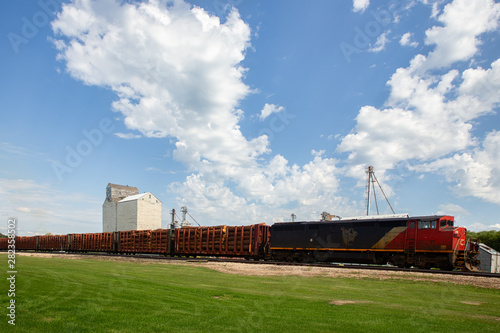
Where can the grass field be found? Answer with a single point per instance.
(61, 295)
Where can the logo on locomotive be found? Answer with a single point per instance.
(348, 235)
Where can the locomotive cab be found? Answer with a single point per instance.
(433, 241)
(432, 233)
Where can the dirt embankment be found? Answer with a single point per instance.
(307, 271)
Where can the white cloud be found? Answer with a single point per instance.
(23, 209)
(360, 5)
(482, 86)
(39, 208)
(420, 125)
(429, 117)
(158, 170)
(475, 173)
(177, 73)
(462, 215)
(269, 194)
(462, 22)
(406, 40)
(380, 43)
(452, 209)
(127, 135)
(269, 109)
(174, 68)
(435, 10)
(478, 226)
(12, 149)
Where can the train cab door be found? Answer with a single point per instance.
(411, 237)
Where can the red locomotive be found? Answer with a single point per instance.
(425, 241)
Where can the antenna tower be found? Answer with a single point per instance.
(371, 186)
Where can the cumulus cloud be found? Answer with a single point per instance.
(481, 86)
(269, 195)
(420, 124)
(457, 38)
(430, 116)
(176, 72)
(423, 123)
(474, 173)
(360, 5)
(406, 40)
(269, 109)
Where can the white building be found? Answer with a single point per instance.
(490, 259)
(139, 212)
(125, 209)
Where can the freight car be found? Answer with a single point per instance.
(425, 241)
(251, 242)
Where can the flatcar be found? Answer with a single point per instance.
(425, 241)
(250, 242)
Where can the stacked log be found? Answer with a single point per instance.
(145, 241)
(26, 243)
(93, 242)
(4, 243)
(53, 242)
(221, 240)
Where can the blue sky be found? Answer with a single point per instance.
(249, 111)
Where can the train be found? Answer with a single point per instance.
(399, 240)
(403, 241)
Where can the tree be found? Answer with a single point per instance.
(490, 238)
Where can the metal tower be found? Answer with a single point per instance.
(371, 185)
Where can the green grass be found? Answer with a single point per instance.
(61, 295)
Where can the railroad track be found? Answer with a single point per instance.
(140, 256)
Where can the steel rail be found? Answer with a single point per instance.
(140, 256)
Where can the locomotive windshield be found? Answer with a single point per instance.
(446, 223)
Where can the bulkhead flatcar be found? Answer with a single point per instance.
(251, 241)
(425, 241)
